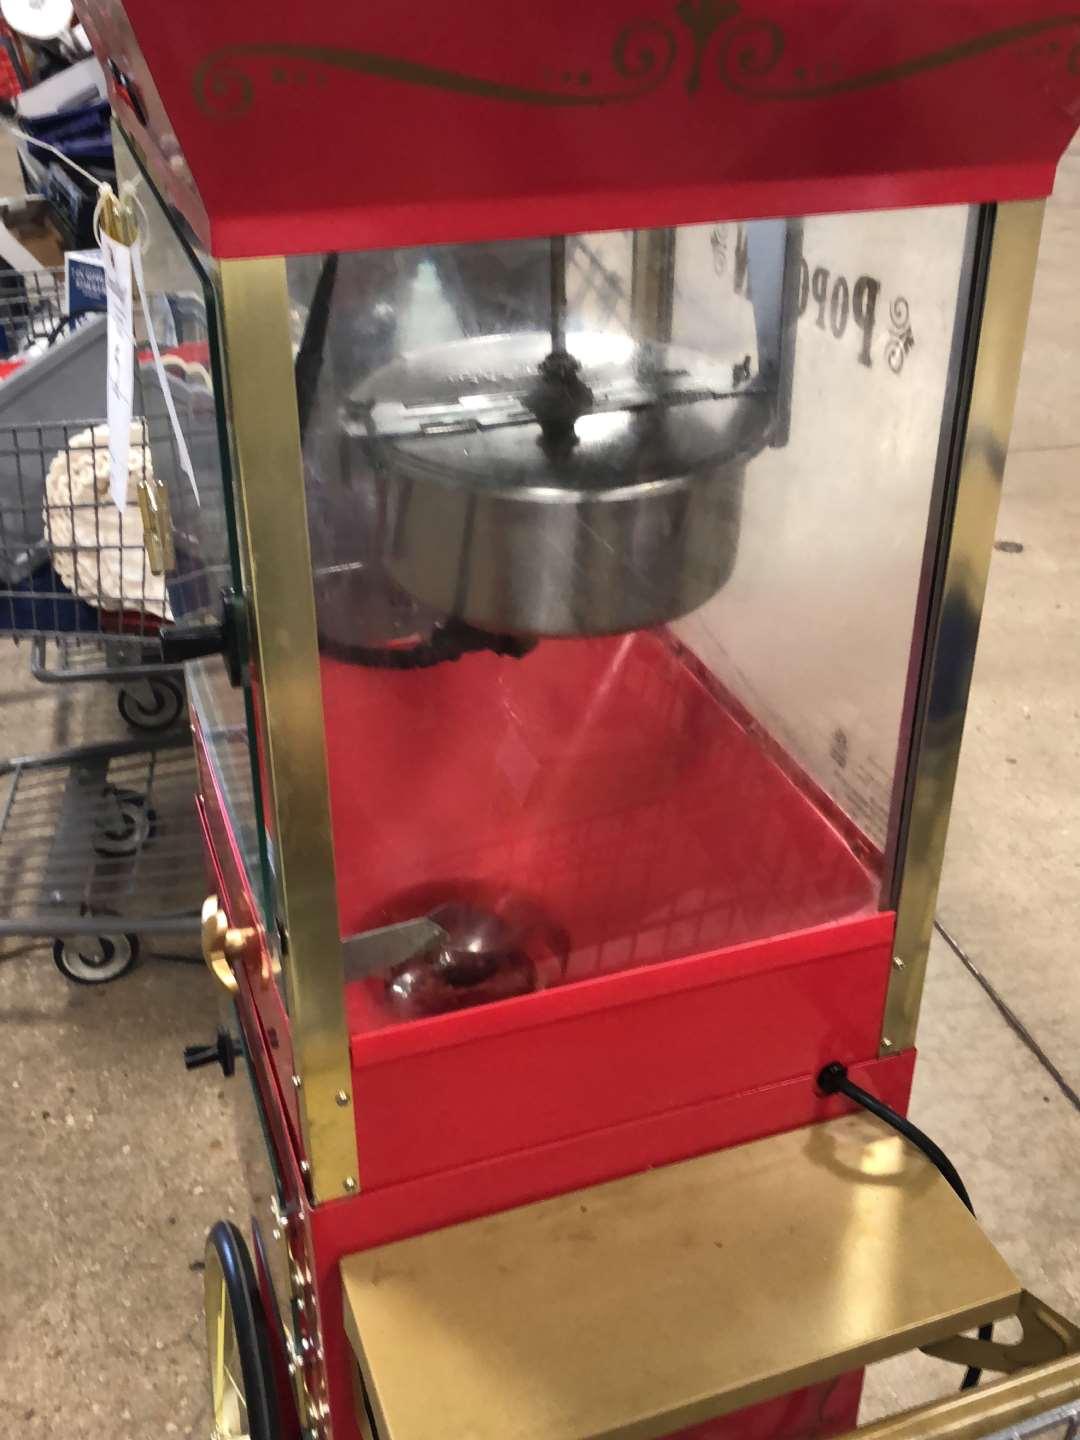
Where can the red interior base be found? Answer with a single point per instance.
(601, 782)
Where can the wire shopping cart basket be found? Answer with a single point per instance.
(33, 313)
(54, 588)
(100, 845)
(75, 580)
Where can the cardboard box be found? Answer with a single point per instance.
(34, 226)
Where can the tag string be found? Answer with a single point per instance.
(105, 194)
(163, 379)
(124, 212)
(20, 136)
(116, 213)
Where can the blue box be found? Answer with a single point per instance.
(84, 272)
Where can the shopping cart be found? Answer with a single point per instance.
(33, 314)
(100, 845)
(75, 581)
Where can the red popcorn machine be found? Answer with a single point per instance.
(597, 414)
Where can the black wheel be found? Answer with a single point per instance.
(95, 959)
(243, 1395)
(151, 704)
(125, 824)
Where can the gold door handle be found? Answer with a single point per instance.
(222, 943)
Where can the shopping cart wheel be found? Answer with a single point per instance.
(151, 704)
(243, 1395)
(125, 824)
(95, 959)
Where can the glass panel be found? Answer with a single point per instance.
(176, 302)
(599, 529)
(814, 631)
(222, 711)
(199, 507)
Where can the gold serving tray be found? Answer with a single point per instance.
(655, 1302)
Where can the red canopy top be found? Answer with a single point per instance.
(277, 127)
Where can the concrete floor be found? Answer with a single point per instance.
(118, 1162)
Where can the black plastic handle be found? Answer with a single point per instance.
(225, 1051)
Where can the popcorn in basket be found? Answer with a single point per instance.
(97, 551)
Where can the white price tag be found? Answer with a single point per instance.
(163, 380)
(120, 373)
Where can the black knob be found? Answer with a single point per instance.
(224, 1052)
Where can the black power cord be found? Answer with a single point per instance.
(833, 1080)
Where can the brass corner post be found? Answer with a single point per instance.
(967, 545)
(269, 477)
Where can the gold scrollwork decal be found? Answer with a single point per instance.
(749, 52)
(642, 53)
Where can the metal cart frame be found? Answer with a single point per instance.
(99, 833)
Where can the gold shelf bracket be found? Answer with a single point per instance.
(1047, 1336)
